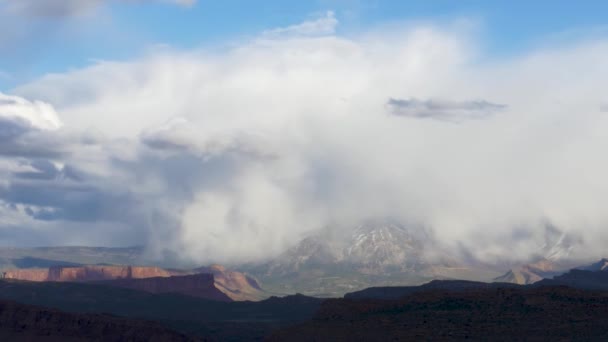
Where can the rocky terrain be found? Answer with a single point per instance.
(19, 322)
(498, 314)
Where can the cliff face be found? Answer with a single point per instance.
(197, 285)
(30, 274)
(89, 273)
(235, 285)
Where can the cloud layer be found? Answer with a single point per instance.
(231, 156)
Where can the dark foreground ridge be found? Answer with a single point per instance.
(396, 292)
(208, 319)
(19, 322)
(505, 314)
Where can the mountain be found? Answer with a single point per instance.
(20, 322)
(235, 285)
(376, 252)
(375, 247)
(382, 247)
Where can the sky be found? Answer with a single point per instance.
(227, 131)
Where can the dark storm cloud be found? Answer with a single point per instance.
(443, 109)
(11, 128)
(17, 141)
(50, 8)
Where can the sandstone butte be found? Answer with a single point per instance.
(236, 285)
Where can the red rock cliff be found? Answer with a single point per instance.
(200, 285)
(90, 273)
(235, 285)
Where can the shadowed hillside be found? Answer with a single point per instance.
(539, 314)
(206, 318)
(397, 292)
(19, 322)
(200, 285)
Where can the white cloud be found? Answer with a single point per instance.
(36, 114)
(323, 25)
(245, 150)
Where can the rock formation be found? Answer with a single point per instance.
(236, 285)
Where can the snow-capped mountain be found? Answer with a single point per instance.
(384, 246)
(558, 245)
(375, 247)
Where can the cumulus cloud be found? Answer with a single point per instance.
(233, 156)
(442, 109)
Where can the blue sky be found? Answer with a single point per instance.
(120, 31)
